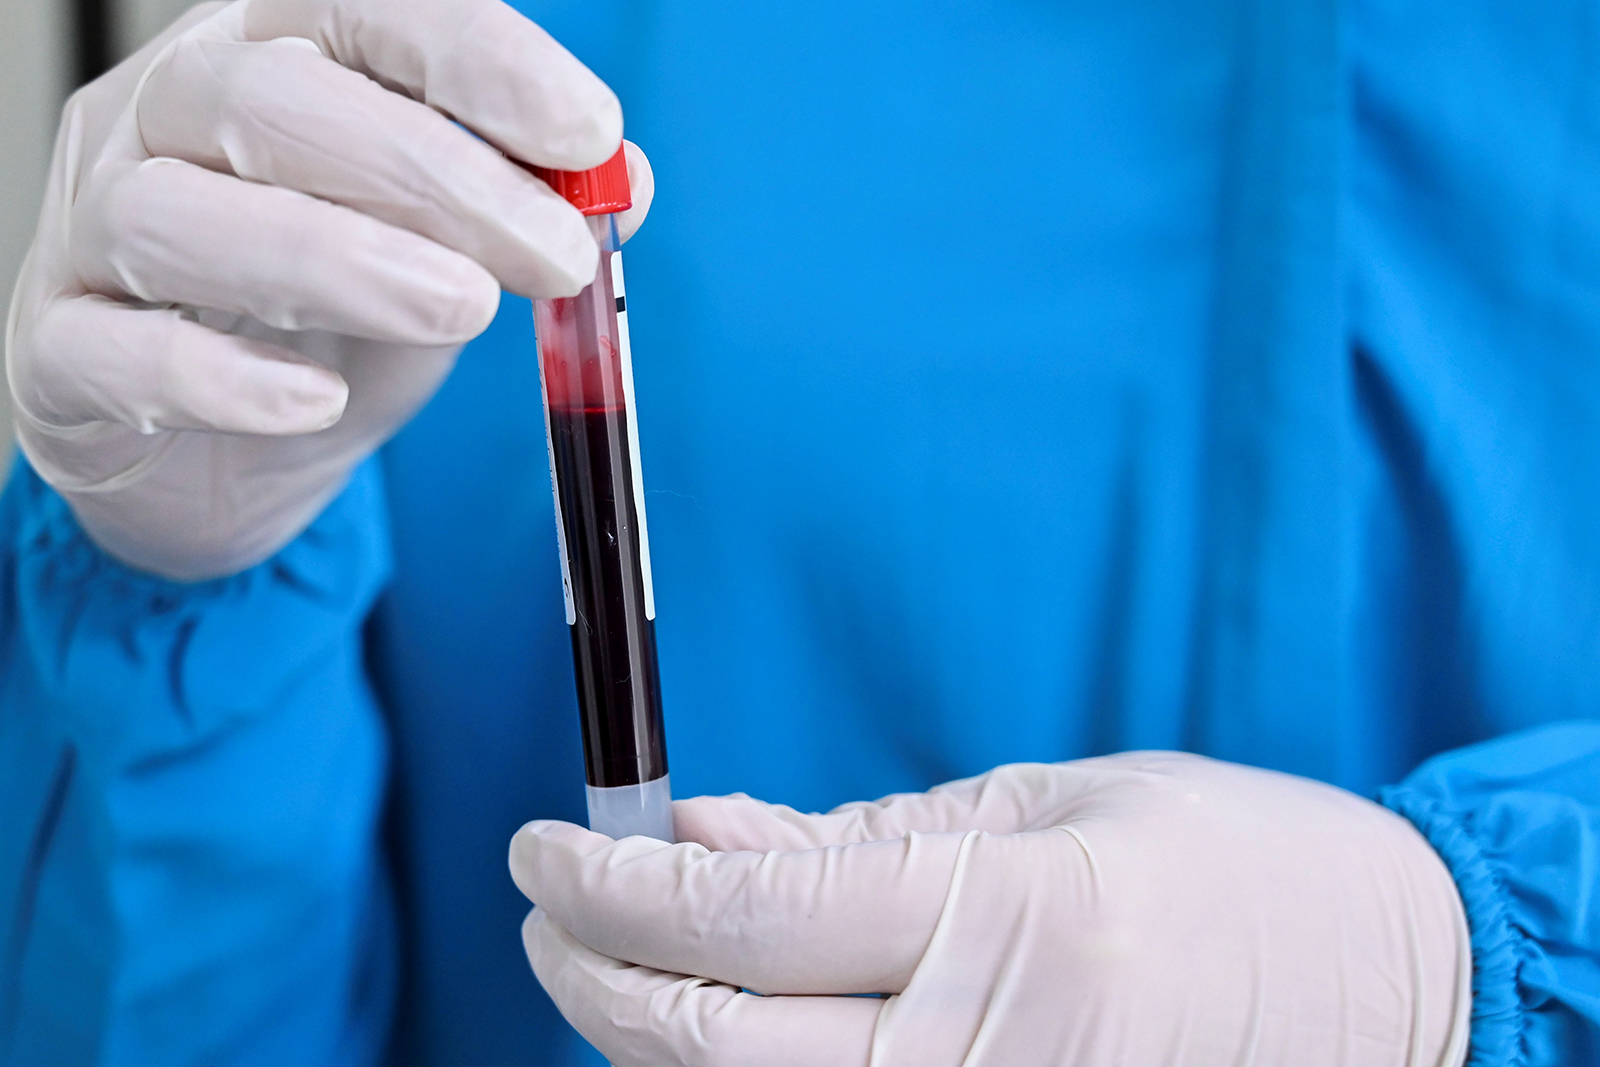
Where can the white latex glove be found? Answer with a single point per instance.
(263, 243)
(1133, 911)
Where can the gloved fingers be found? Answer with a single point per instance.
(281, 113)
(1007, 800)
(852, 919)
(166, 231)
(157, 370)
(742, 823)
(478, 61)
(642, 1017)
(642, 184)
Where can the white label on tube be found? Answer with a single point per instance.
(561, 527)
(633, 434)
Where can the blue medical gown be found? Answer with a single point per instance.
(1018, 381)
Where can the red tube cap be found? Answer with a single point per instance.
(601, 191)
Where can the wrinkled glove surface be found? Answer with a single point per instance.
(264, 242)
(1147, 908)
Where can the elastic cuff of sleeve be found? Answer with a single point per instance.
(102, 636)
(1499, 946)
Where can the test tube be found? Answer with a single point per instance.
(587, 374)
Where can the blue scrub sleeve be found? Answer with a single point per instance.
(1517, 820)
(191, 781)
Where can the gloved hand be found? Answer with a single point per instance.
(1142, 909)
(263, 244)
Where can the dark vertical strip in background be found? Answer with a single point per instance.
(1269, 625)
(16, 947)
(91, 20)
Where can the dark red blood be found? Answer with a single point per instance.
(613, 643)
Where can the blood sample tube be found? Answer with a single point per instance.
(587, 373)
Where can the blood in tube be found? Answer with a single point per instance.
(587, 374)
(613, 637)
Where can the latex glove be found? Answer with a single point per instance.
(1143, 909)
(263, 243)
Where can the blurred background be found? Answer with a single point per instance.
(47, 49)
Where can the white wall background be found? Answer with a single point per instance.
(35, 64)
(34, 57)
(136, 21)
